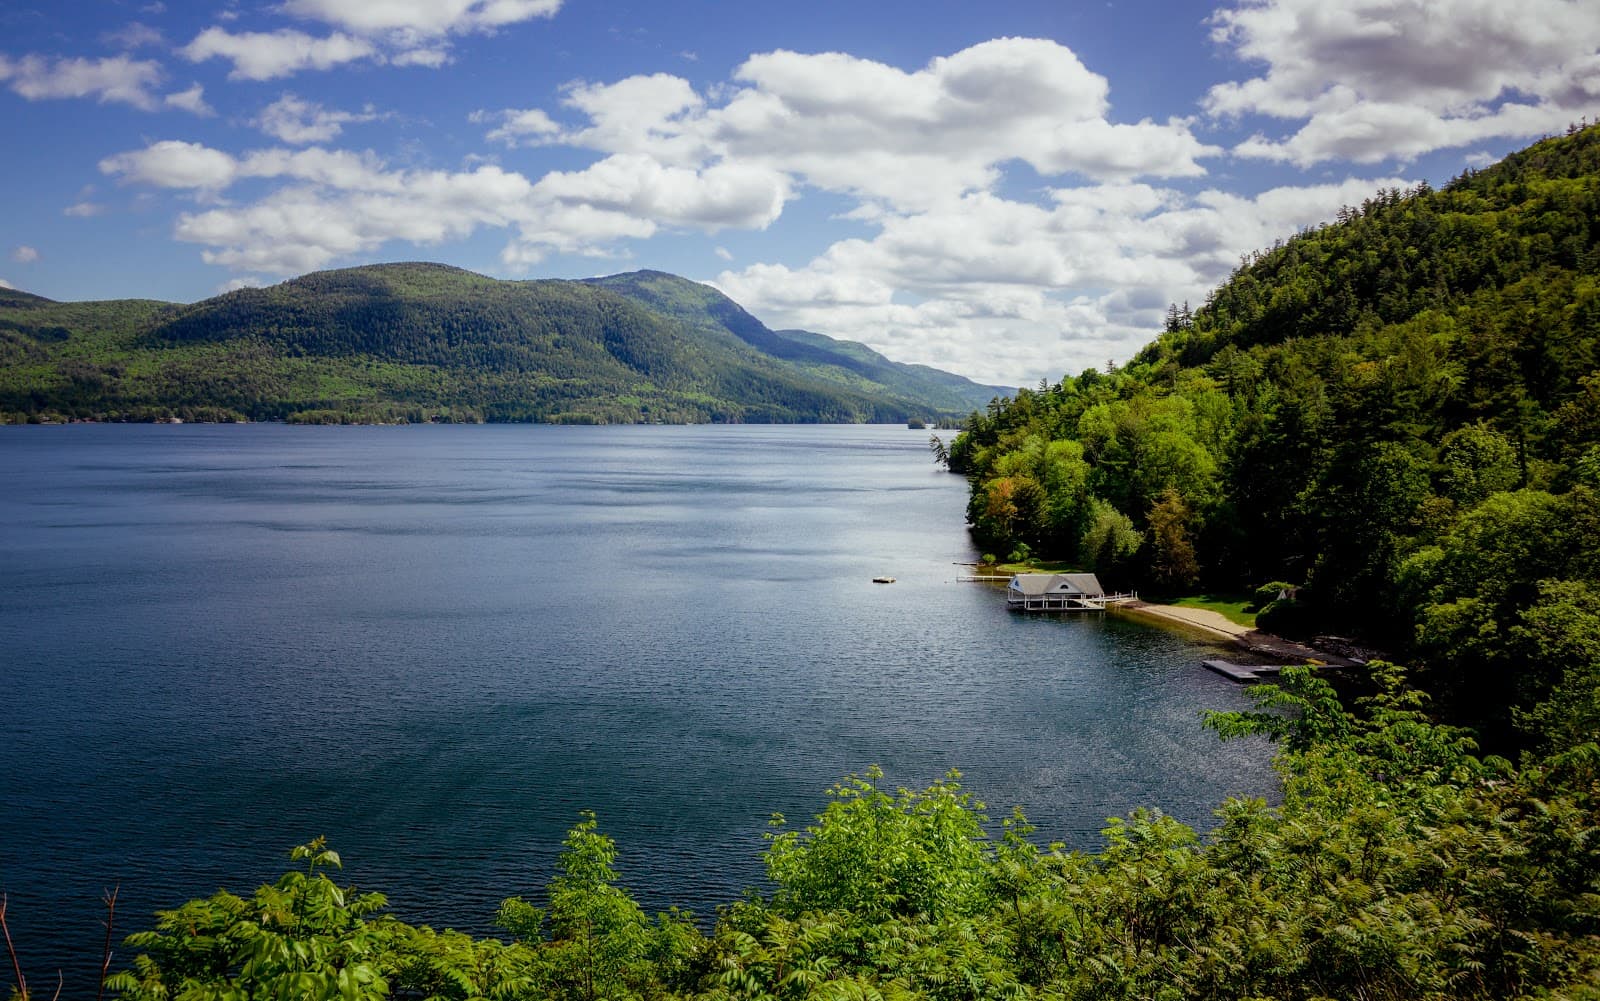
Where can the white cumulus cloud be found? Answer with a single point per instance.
(912, 139)
(335, 203)
(118, 79)
(192, 100)
(422, 18)
(293, 119)
(25, 254)
(1004, 290)
(173, 163)
(396, 32)
(530, 125)
(431, 58)
(1374, 80)
(259, 55)
(719, 196)
(134, 35)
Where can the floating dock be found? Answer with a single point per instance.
(1244, 672)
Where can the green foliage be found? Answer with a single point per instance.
(599, 933)
(1514, 561)
(1173, 565)
(1560, 634)
(1109, 541)
(303, 937)
(1475, 462)
(882, 854)
(1290, 617)
(1269, 592)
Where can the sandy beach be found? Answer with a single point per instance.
(1246, 637)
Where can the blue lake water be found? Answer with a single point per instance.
(436, 645)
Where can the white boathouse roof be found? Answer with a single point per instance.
(1072, 584)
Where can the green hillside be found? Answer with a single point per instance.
(844, 363)
(411, 342)
(1399, 413)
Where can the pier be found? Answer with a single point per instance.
(1068, 602)
(1244, 672)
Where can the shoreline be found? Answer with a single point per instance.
(1245, 637)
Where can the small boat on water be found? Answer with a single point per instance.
(883, 580)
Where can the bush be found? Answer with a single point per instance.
(883, 854)
(1266, 594)
(1290, 618)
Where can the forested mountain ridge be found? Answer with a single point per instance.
(846, 363)
(409, 342)
(1398, 412)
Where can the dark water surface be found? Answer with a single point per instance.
(435, 645)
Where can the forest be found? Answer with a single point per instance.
(1392, 421)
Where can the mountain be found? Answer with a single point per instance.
(923, 381)
(411, 342)
(844, 363)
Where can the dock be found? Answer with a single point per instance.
(1244, 672)
(1067, 602)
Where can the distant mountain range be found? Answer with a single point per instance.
(428, 342)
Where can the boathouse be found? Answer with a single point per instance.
(1056, 592)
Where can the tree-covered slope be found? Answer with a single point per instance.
(407, 342)
(920, 381)
(1398, 412)
(844, 363)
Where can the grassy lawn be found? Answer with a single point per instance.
(1231, 605)
(1032, 566)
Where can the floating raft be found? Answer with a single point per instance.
(1243, 672)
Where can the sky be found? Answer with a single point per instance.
(1007, 190)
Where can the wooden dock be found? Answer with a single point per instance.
(1067, 602)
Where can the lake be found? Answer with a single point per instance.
(437, 645)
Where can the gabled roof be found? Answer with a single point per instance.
(1087, 583)
(1035, 584)
(1031, 583)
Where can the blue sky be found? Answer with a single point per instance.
(1006, 190)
